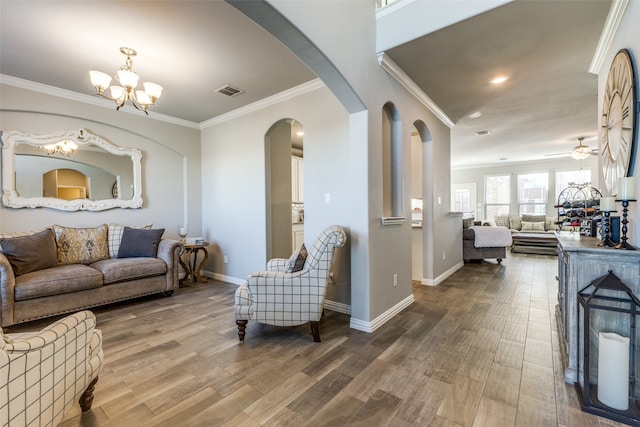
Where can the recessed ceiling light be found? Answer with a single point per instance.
(300, 133)
(483, 132)
(503, 158)
(475, 115)
(498, 80)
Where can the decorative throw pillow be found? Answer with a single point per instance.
(81, 245)
(297, 260)
(30, 253)
(115, 237)
(532, 226)
(515, 222)
(20, 233)
(502, 220)
(550, 223)
(138, 242)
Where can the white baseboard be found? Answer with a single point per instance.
(337, 306)
(440, 278)
(223, 278)
(365, 326)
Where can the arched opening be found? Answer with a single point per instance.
(421, 197)
(391, 161)
(284, 168)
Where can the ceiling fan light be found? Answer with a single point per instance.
(579, 155)
(128, 78)
(154, 90)
(100, 80)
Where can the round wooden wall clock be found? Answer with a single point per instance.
(619, 111)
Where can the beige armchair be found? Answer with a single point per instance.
(276, 297)
(43, 374)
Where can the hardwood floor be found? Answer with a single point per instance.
(480, 349)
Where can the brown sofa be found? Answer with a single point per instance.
(81, 275)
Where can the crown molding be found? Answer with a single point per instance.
(616, 13)
(264, 103)
(397, 73)
(88, 99)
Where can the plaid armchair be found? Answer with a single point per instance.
(43, 374)
(276, 297)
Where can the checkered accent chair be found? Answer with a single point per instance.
(43, 374)
(276, 297)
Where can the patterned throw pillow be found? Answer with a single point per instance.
(115, 237)
(502, 220)
(532, 226)
(515, 222)
(81, 245)
(297, 260)
(550, 223)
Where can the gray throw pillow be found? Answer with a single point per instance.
(139, 242)
(31, 253)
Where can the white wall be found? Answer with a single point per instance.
(170, 161)
(477, 175)
(627, 37)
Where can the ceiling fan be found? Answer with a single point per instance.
(579, 152)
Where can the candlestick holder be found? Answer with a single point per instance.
(606, 231)
(623, 239)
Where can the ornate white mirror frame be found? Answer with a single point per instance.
(12, 199)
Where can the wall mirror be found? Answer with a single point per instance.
(70, 170)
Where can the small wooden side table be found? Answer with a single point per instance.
(192, 274)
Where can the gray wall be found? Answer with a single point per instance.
(170, 162)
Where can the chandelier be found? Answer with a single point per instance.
(66, 147)
(140, 99)
(581, 151)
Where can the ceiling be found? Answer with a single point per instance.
(193, 48)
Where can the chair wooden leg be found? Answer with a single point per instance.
(242, 325)
(86, 400)
(315, 330)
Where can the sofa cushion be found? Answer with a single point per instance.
(30, 253)
(81, 245)
(56, 280)
(116, 270)
(115, 237)
(140, 243)
(534, 218)
(533, 226)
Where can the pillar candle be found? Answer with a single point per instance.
(608, 204)
(626, 190)
(613, 370)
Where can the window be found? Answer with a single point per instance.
(497, 195)
(563, 178)
(463, 199)
(532, 193)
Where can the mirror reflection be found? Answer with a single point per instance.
(72, 170)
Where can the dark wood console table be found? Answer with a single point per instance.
(580, 262)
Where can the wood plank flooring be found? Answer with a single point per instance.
(480, 349)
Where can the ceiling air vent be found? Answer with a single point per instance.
(229, 90)
(483, 133)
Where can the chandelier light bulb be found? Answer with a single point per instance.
(128, 79)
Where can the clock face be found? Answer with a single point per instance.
(618, 121)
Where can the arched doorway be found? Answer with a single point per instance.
(284, 168)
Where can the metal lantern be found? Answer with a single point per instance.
(606, 386)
